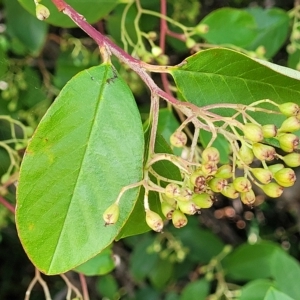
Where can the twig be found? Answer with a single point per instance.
(84, 287)
(71, 288)
(7, 204)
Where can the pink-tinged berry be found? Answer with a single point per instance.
(242, 184)
(172, 190)
(178, 139)
(263, 152)
(253, 132)
(111, 214)
(179, 219)
(272, 189)
(230, 192)
(269, 131)
(263, 175)
(225, 171)
(292, 160)
(209, 168)
(289, 109)
(248, 198)
(211, 154)
(154, 221)
(42, 12)
(291, 124)
(285, 177)
(217, 184)
(198, 179)
(167, 210)
(203, 200)
(246, 154)
(288, 142)
(188, 207)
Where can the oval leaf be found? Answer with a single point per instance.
(87, 147)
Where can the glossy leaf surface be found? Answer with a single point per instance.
(87, 147)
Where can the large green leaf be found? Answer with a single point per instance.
(256, 289)
(92, 10)
(218, 76)
(87, 147)
(274, 294)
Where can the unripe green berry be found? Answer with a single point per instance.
(178, 139)
(276, 167)
(291, 48)
(217, 184)
(263, 175)
(111, 214)
(209, 168)
(272, 189)
(288, 142)
(285, 177)
(246, 154)
(248, 198)
(186, 194)
(156, 51)
(188, 207)
(203, 200)
(172, 190)
(224, 171)
(291, 124)
(42, 12)
(167, 210)
(269, 131)
(179, 219)
(289, 109)
(202, 28)
(263, 152)
(170, 201)
(230, 192)
(253, 132)
(154, 221)
(152, 35)
(292, 160)
(242, 184)
(190, 43)
(197, 178)
(211, 154)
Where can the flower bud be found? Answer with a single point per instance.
(263, 175)
(203, 200)
(172, 190)
(209, 168)
(188, 207)
(167, 210)
(230, 192)
(248, 198)
(217, 184)
(269, 131)
(154, 221)
(292, 159)
(291, 124)
(253, 132)
(178, 139)
(42, 12)
(224, 171)
(246, 154)
(185, 194)
(179, 219)
(111, 214)
(276, 167)
(288, 142)
(211, 154)
(242, 184)
(285, 177)
(263, 152)
(289, 109)
(272, 189)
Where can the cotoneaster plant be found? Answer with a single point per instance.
(93, 173)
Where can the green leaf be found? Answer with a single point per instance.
(101, 264)
(87, 147)
(272, 28)
(218, 76)
(274, 294)
(92, 11)
(196, 290)
(294, 59)
(3, 63)
(26, 28)
(256, 289)
(108, 287)
(230, 26)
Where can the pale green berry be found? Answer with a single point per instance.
(269, 131)
(242, 184)
(288, 142)
(190, 43)
(291, 124)
(263, 152)
(272, 189)
(246, 154)
(197, 178)
(285, 177)
(211, 154)
(186, 194)
(209, 168)
(42, 12)
(170, 201)
(156, 51)
(276, 167)
(230, 192)
(172, 190)
(179, 219)
(202, 28)
(224, 171)
(203, 200)
(178, 139)
(253, 132)
(167, 210)
(289, 109)
(154, 221)
(263, 175)
(188, 207)
(248, 198)
(217, 184)
(111, 214)
(292, 160)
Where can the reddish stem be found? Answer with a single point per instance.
(85, 291)
(7, 205)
